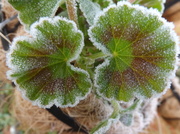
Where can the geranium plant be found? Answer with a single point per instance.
(122, 51)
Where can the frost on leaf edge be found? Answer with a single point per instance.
(162, 5)
(148, 11)
(27, 26)
(34, 33)
(110, 122)
(90, 22)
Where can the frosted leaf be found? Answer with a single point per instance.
(104, 3)
(89, 9)
(142, 48)
(126, 119)
(41, 66)
(122, 0)
(105, 126)
(31, 10)
(108, 2)
(157, 4)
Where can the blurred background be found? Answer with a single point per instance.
(167, 119)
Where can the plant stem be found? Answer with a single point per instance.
(116, 107)
(72, 10)
(98, 55)
(114, 116)
(132, 107)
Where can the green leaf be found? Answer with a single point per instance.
(31, 10)
(157, 4)
(142, 52)
(104, 3)
(89, 9)
(116, 1)
(41, 66)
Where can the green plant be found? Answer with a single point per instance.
(5, 115)
(120, 51)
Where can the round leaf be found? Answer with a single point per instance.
(142, 52)
(41, 66)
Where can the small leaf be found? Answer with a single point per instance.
(41, 66)
(157, 4)
(32, 10)
(104, 3)
(104, 126)
(127, 113)
(126, 119)
(142, 49)
(89, 9)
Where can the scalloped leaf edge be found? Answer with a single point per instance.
(151, 11)
(34, 33)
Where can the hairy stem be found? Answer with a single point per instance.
(98, 55)
(72, 10)
(114, 116)
(136, 103)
